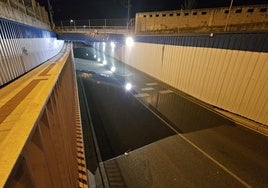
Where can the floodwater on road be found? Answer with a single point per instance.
(137, 115)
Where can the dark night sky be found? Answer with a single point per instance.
(93, 9)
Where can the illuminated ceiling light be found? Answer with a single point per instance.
(104, 62)
(113, 68)
(129, 41)
(128, 86)
(112, 44)
(99, 59)
(86, 54)
(95, 56)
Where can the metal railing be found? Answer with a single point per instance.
(115, 26)
(92, 23)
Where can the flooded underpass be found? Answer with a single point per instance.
(144, 133)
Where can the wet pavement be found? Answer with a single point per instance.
(174, 140)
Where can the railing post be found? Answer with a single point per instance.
(25, 11)
(34, 7)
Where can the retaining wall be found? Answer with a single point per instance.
(228, 71)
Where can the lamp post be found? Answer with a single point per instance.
(128, 12)
(228, 15)
(72, 21)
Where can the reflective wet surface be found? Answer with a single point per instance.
(130, 112)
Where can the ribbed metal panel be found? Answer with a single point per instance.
(233, 80)
(22, 48)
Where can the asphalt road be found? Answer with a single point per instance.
(152, 116)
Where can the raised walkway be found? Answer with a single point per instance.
(32, 147)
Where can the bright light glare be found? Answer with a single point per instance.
(113, 68)
(103, 47)
(128, 86)
(86, 54)
(95, 56)
(129, 41)
(112, 44)
(104, 62)
(99, 59)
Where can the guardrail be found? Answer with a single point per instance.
(95, 22)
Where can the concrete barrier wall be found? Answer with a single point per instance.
(34, 16)
(203, 20)
(23, 48)
(220, 70)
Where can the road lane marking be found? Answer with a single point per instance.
(165, 91)
(200, 150)
(147, 89)
(151, 84)
(142, 95)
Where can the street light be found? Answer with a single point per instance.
(128, 86)
(129, 41)
(72, 21)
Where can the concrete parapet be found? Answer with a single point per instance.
(40, 141)
(33, 14)
(250, 18)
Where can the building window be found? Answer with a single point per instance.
(251, 10)
(204, 13)
(226, 11)
(263, 10)
(186, 14)
(157, 15)
(171, 14)
(178, 14)
(151, 15)
(144, 16)
(194, 13)
(238, 10)
(164, 15)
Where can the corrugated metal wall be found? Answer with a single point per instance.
(233, 76)
(22, 48)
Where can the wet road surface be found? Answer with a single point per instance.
(171, 141)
